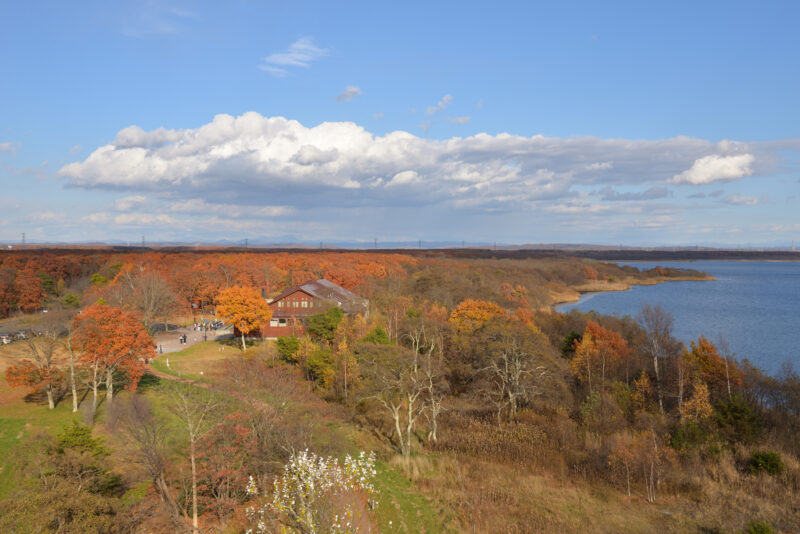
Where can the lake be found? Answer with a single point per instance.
(754, 306)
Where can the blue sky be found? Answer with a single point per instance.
(515, 122)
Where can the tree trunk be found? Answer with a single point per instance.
(195, 525)
(400, 440)
(50, 403)
(658, 385)
(72, 379)
(110, 385)
(244, 346)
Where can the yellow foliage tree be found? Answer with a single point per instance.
(244, 308)
(470, 314)
(698, 407)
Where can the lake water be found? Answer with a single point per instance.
(754, 306)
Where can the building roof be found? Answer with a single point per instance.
(330, 292)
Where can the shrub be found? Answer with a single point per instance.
(568, 345)
(758, 527)
(766, 462)
(687, 436)
(71, 300)
(737, 420)
(287, 348)
(320, 367)
(377, 336)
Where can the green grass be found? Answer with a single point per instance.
(195, 362)
(401, 508)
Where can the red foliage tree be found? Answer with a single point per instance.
(30, 294)
(111, 339)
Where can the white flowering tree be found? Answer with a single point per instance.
(318, 495)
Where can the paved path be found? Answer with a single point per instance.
(168, 341)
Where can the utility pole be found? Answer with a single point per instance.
(23, 239)
(142, 241)
(420, 243)
(376, 243)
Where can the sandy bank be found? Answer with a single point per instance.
(574, 293)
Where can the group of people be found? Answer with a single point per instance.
(208, 325)
(182, 339)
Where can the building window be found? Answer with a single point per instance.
(304, 304)
(273, 322)
(295, 304)
(280, 304)
(281, 322)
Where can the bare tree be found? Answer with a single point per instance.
(725, 352)
(393, 380)
(196, 408)
(148, 434)
(147, 293)
(659, 344)
(512, 378)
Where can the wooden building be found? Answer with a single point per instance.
(293, 306)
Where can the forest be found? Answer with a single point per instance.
(461, 403)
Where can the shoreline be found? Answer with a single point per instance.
(578, 292)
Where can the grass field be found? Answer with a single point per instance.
(197, 362)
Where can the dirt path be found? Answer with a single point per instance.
(169, 341)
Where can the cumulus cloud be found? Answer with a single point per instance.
(300, 53)
(350, 92)
(741, 200)
(446, 99)
(716, 168)
(273, 161)
(128, 203)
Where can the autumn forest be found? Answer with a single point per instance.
(462, 402)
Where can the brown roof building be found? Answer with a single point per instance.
(291, 307)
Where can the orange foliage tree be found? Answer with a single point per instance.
(705, 363)
(244, 308)
(471, 314)
(110, 340)
(599, 351)
(40, 371)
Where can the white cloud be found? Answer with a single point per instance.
(301, 53)
(377, 115)
(198, 206)
(272, 161)
(157, 19)
(128, 203)
(403, 178)
(446, 99)
(142, 219)
(460, 120)
(741, 200)
(715, 168)
(96, 218)
(9, 147)
(74, 150)
(350, 92)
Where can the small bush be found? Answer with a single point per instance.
(766, 462)
(287, 348)
(758, 527)
(377, 336)
(737, 420)
(687, 436)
